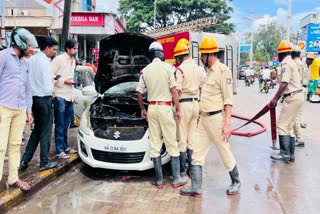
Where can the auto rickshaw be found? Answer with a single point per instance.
(314, 81)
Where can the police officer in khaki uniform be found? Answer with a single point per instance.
(292, 100)
(309, 61)
(295, 54)
(158, 79)
(189, 78)
(214, 121)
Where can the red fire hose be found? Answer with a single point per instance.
(248, 134)
(263, 127)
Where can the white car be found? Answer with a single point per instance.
(84, 90)
(112, 134)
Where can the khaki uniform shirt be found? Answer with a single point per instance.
(306, 74)
(158, 79)
(300, 68)
(189, 79)
(64, 66)
(216, 90)
(290, 74)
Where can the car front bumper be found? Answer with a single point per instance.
(115, 154)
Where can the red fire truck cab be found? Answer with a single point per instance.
(227, 48)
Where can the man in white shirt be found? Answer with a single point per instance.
(64, 65)
(41, 80)
(266, 73)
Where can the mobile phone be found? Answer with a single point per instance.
(57, 77)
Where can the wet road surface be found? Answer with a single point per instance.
(267, 187)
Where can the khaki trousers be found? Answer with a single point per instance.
(188, 124)
(297, 127)
(12, 123)
(210, 132)
(305, 93)
(289, 113)
(162, 124)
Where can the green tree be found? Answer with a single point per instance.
(171, 12)
(266, 42)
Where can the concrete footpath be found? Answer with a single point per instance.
(10, 197)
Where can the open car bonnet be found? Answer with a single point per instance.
(121, 58)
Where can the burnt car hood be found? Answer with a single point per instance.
(121, 58)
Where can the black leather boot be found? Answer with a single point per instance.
(158, 170)
(178, 181)
(183, 168)
(189, 156)
(284, 155)
(292, 148)
(235, 182)
(196, 182)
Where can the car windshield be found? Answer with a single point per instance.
(122, 89)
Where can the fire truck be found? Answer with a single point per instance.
(227, 48)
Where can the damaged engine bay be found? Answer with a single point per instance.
(109, 115)
(116, 115)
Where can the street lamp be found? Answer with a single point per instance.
(251, 49)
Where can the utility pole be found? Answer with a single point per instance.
(3, 19)
(251, 50)
(252, 20)
(66, 23)
(289, 21)
(154, 15)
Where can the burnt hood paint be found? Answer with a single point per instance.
(121, 58)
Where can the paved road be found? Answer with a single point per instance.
(267, 187)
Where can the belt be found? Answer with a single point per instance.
(292, 93)
(211, 113)
(187, 100)
(160, 103)
(40, 97)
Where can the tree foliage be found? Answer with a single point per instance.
(266, 42)
(171, 12)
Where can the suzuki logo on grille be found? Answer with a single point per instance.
(116, 135)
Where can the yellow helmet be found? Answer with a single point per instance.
(186, 42)
(180, 49)
(284, 46)
(208, 45)
(296, 48)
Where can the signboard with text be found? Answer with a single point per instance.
(87, 19)
(313, 38)
(245, 48)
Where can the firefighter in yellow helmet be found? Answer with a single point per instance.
(291, 91)
(186, 42)
(295, 54)
(158, 80)
(214, 121)
(189, 77)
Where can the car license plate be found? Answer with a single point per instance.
(115, 148)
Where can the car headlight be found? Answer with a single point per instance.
(85, 124)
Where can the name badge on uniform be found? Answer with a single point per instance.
(228, 81)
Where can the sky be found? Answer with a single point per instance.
(265, 11)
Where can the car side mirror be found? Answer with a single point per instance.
(89, 91)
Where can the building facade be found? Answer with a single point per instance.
(45, 17)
